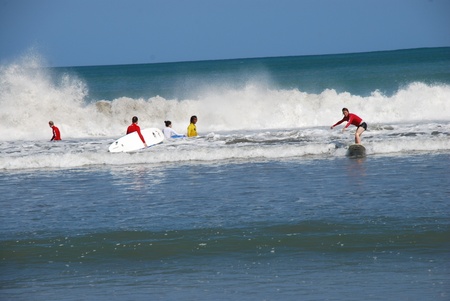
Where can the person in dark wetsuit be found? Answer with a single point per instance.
(356, 121)
(135, 128)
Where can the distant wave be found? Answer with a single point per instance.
(30, 96)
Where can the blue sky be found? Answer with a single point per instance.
(107, 32)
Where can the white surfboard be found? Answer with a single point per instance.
(356, 151)
(132, 142)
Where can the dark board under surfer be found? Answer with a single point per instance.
(356, 151)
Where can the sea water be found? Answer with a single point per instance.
(263, 205)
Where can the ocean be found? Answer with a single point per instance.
(264, 205)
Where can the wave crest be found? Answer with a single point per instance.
(31, 95)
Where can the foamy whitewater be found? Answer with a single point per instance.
(254, 119)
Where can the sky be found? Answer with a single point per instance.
(110, 32)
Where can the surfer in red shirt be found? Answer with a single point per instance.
(55, 130)
(356, 121)
(135, 128)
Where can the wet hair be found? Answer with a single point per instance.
(134, 119)
(192, 118)
(168, 122)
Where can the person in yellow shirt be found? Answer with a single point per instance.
(192, 129)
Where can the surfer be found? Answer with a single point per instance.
(134, 127)
(192, 129)
(356, 121)
(169, 132)
(55, 130)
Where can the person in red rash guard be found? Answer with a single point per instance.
(55, 130)
(356, 121)
(135, 128)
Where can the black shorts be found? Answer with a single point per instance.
(363, 125)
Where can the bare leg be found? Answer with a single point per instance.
(358, 133)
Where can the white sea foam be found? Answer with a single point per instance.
(255, 122)
(214, 148)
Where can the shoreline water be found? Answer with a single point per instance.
(266, 230)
